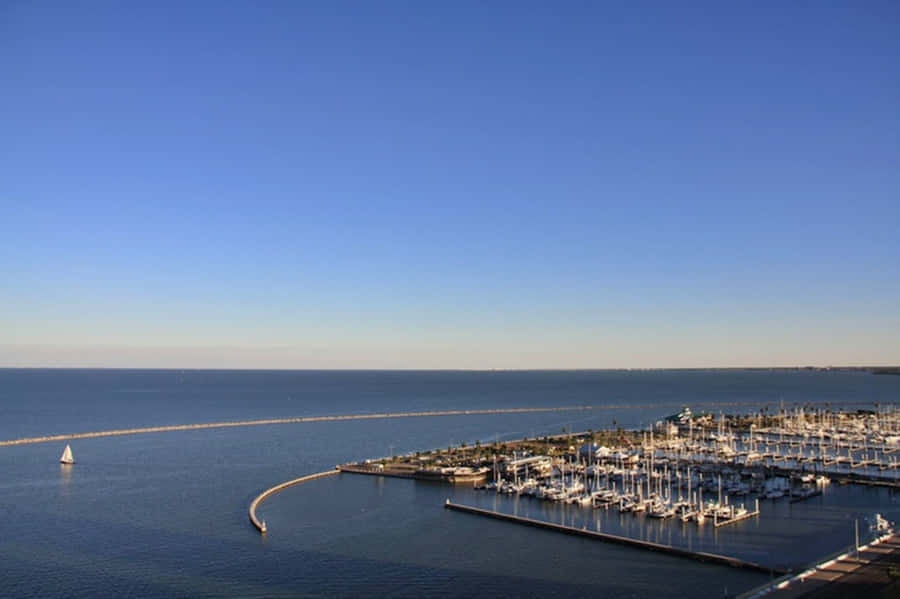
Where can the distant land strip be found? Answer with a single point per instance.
(299, 420)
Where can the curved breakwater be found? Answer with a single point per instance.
(269, 421)
(261, 526)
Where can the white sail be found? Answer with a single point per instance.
(67, 456)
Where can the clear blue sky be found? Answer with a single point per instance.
(451, 185)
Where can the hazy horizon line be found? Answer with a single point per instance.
(547, 369)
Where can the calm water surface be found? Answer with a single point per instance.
(164, 515)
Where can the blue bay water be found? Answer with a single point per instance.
(165, 514)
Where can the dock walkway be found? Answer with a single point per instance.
(850, 574)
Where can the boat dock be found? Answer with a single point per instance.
(610, 538)
(261, 524)
(734, 517)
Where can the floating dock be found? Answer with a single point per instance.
(718, 522)
(601, 536)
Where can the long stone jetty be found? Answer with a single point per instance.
(269, 421)
(304, 419)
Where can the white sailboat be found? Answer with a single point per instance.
(66, 457)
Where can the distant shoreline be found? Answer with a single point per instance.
(872, 369)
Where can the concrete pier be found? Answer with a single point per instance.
(668, 549)
(261, 525)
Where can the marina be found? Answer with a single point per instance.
(450, 299)
(704, 471)
(665, 472)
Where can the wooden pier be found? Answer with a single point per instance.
(610, 538)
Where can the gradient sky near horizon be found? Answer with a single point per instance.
(449, 185)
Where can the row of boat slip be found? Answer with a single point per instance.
(844, 431)
(761, 445)
(651, 474)
(811, 457)
(661, 493)
(653, 506)
(871, 463)
(658, 487)
(577, 492)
